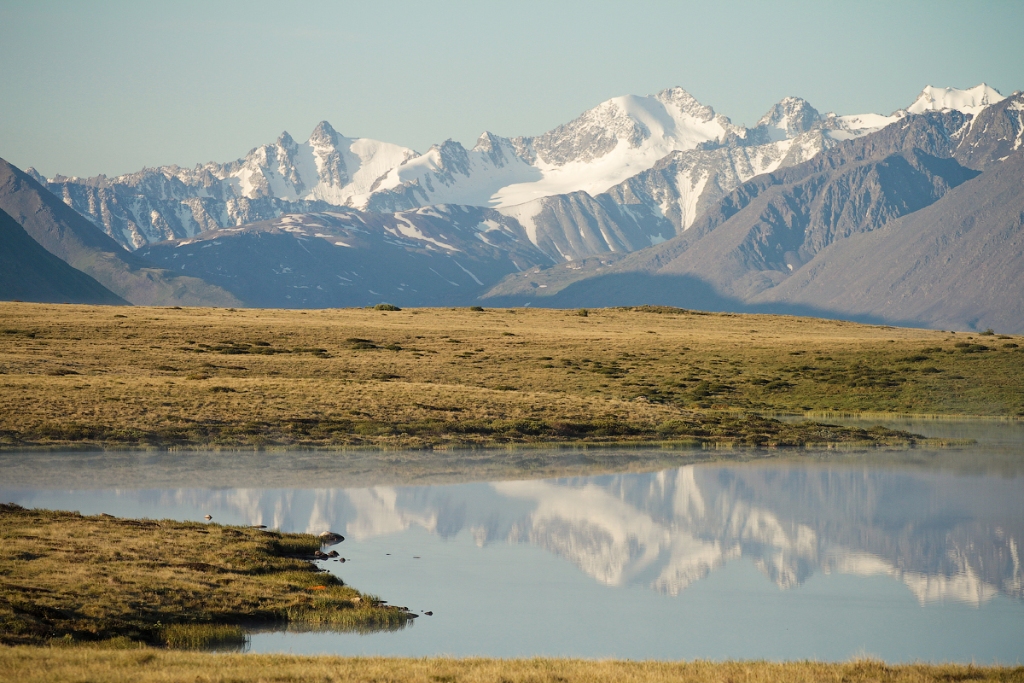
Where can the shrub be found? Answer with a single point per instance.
(386, 307)
(360, 344)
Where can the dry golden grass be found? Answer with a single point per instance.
(45, 665)
(437, 377)
(68, 578)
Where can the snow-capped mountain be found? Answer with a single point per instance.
(602, 147)
(154, 204)
(696, 155)
(915, 224)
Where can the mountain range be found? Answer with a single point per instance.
(912, 217)
(701, 154)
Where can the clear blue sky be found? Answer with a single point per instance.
(110, 87)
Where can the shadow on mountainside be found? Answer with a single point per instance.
(681, 291)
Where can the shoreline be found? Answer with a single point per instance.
(653, 445)
(742, 431)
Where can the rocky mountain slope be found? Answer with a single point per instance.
(696, 155)
(66, 234)
(30, 273)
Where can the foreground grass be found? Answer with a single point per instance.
(148, 377)
(43, 665)
(66, 579)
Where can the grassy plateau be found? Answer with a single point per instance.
(118, 377)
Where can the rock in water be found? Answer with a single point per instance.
(330, 538)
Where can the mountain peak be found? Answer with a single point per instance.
(35, 175)
(487, 142)
(790, 117)
(969, 101)
(685, 103)
(285, 140)
(324, 133)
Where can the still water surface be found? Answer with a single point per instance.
(902, 558)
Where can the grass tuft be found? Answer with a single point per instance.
(202, 636)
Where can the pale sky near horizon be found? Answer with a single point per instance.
(111, 87)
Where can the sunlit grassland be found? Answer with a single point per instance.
(45, 665)
(137, 377)
(67, 579)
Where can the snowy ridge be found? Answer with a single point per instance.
(327, 167)
(970, 101)
(602, 147)
(615, 141)
(622, 141)
(857, 125)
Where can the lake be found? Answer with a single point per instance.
(904, 556)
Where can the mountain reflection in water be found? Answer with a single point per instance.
(947, 537)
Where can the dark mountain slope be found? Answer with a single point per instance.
(30, 273)
(959, 263)
(788, 224)
(444, 255)
(72, 238)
